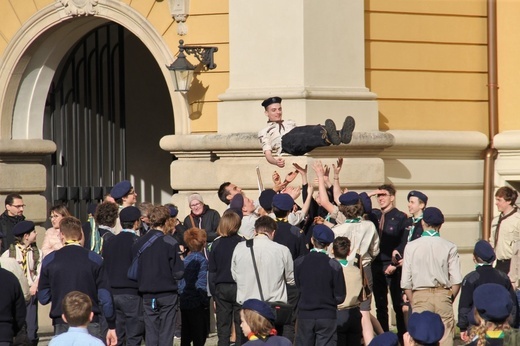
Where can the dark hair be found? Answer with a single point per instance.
(60, 209)
(265, 224)
(389, 188)
(341, 247)
(159, 215)
(128, 224)
(9, 199)
(508, 194)
(107, 214)
(70, 227)
(319, 245)
(223, 192)
(76, 307)
(280, 213)
(352, 211)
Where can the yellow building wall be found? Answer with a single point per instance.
(426, 61)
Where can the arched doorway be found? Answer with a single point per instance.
(106, 110)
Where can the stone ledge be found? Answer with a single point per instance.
(37, 147)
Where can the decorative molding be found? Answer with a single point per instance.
(180, 12)
(78, 8)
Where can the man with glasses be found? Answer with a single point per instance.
(386, 268)
(13, 214)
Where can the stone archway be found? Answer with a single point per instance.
(34, 53)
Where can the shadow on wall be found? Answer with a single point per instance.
(196, 97)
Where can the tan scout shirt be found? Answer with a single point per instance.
(508, 234)
(271, 136)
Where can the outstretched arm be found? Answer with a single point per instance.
(336, 187)
(324, 199)
(278, 161)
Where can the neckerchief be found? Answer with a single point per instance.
(430, 233)
(382, 220)
(72, 242)
(356, 220)
(280, 124)
(129, 231)
(482, 264)
(281, 219)
(500, 219)
(343, 262)
(414, 220)
(320, 250)
(495, 334)
(23, 250)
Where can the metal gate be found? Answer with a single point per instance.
(85, 117)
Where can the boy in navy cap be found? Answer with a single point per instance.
(279, 136)
(124, 194)
(117, 254)
(493, 307)
(26, 253)
(424, 328)
(431, 273)
(385, 339)
(322, 287)
(257, 324)
(416, 203)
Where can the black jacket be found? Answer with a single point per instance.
(7, 224)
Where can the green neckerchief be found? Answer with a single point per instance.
(414, 220)
(482, 264)
(327, 218)
(430, 233)
(129, 231)
(343, 262)
(356, 220)
(320, 250)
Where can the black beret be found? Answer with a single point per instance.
(484, 250)
(23, 227)
(349, 198)
(419, 195)
(237, 202)
(385, 339)
(271, 100)
(129, 214)
(493, 302)
(260, 307)
(283, 201)
(121, 189)
(433, 216)
(323, 234)
(426, 327)
(266, 199)
(173, 211)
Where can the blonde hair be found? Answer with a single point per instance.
(229, 224)
(483, 326)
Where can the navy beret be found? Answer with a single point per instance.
(236, 211)
(23, 227)
(91, 209)
(367, 203)
(433, 216)
(121, 189)
(493, 302)
(419, 195)
(484, 250)
(426, 327)
(349, 198)
(323, 234)
(262, 308)
(283, 201)
(237, 202)
(271, 100)
(174, 211)
(266, 199)
(385, 339)
(129, 214)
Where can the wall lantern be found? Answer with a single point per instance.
(182, 69)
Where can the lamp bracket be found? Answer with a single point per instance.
(203, 54)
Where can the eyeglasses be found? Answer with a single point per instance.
(18, 206)
(195, 205)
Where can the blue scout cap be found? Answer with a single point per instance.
(493, 302)
(283, 201)
(419, 195)
(484, 250)
(271, 100)
(266, 199)
(426, 327)
(367, 203)
(129, 214)
(433, 216)
(121, 189)
(349, 198)
(23, 227)
(262, 308)
(385, 339)
(237, 202)
(323, 234)
(174, 211)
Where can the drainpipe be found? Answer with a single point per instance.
(490, 154)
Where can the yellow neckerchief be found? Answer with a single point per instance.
(72, 242)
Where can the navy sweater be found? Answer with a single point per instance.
(219, 265)
(12, 306)
(160, 266)
(74, 268)
(322, 286)
(394, 235)
(117, 255)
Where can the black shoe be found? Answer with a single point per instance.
(347, 129)
(332, 133)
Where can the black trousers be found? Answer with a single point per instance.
(129, 319)
(381, 285)
(195, 326)
(303, 139)
(159, 319)
(503, 265)
(349, 329)
(227, 311)
(320, 332)
(288, 330)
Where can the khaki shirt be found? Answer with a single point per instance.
(514, 271)
(430, 262)
(271, 136)
(363, 237)
(508, 235)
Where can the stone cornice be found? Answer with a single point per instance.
(30, 147)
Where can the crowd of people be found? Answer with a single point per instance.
(278, 273)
